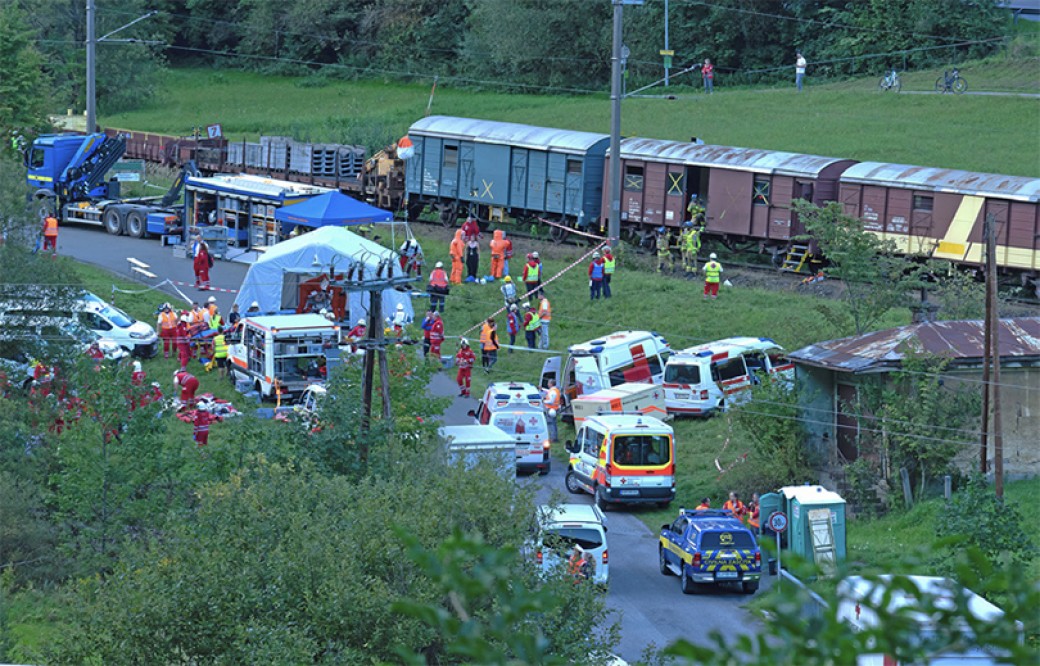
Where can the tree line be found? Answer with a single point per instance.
(523, 45)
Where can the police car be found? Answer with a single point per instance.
(707, 547)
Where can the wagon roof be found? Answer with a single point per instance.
(744, 159)
(961, 342)
(514, 134)
(1020, 188)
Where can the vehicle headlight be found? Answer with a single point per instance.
(138, 336)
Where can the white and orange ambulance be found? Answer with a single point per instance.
(623, 459)
(280, 354)
(710, 377)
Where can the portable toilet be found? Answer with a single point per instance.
(768, 504)
(816, 524)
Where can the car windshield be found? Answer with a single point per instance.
(637, 450)
(717, 540)
(116, 316)
(682, 374)
(565, 538)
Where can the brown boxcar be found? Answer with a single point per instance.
(747, 192)
(940, 212)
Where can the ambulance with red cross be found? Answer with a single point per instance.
(619, 358)
(711, 377)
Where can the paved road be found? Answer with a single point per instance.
(652, 608)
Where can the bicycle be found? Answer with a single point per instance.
(951, 81)
(891, 82)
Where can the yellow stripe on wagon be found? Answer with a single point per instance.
(954, 245)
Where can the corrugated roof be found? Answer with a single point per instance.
(514, 134)
(745, 159)
(960, 341)
(1019, 188)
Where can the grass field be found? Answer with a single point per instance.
(851, 119)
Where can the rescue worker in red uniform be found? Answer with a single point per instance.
(201, 426)
(436, 336)
(183, 343)
(201, 264)
(188, 384)
(357, 333)
(438, 287)
(470, 230)
(464, 361)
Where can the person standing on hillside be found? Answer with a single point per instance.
(507, 253)
(168, 329)
(544, 318)
(464, 361)
(609, 266)
(489, 344)
(595, 276)
(799, 70)
(708, 74)
(532, 275)
(498, 253)
(457, 250)
(436, 336)
(50, 234)
(513, 321)
(438, 287)
(472, 259)
(202, 263)
(712, 276)
(531, 325)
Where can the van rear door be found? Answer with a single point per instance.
(587, 377)
(731, 375)
(550, 370)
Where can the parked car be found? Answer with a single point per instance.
(565, 526)
(707, 547)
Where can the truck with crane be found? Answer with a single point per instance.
(67, 174)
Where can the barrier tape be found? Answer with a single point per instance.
(476, 347)
(572, 230)
(549, 281)
(117, 290)
(192, 284)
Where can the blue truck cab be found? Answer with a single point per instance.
(72, 166)
(709, 546)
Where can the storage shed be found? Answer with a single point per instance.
(524, 169)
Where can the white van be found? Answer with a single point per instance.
(570, 525)
(704, 379)
(619, 358)
(106, 322)
(516, 409)
(281, 354)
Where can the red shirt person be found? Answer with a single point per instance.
(436, 336)
(188, 385)
(201, 266)
(464, 361)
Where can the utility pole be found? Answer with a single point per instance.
(614, 228)
(993, 331)
(667, 51)
(91, 66)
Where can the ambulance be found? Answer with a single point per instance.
(282, 354)
(516, 409)
(619, 358)
(710, 377)
(623, 459)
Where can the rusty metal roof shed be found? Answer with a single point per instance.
(743, 159)
(513, 134)
(959, 341)
(1017, 188)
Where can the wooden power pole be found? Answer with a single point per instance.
(987, 346)
(993, 333)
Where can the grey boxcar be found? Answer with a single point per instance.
(482, 166)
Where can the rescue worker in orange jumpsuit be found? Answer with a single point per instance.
(436, 336)
(752, 512)
(704, 505)
(168, 329)
(498, 254)
(464, 361)
(50, 234)
(200, 425)
(457, 250)
(438, 287)
(734, 505)
(489, 344)
(188, 384)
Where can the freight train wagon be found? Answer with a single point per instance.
(941, 212)
(748, 191)
(489, 168)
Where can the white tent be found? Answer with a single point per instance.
(273, 281)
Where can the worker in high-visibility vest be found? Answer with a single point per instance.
(438, 286)
(712, 276)
(220, 353)
(167, 324)
(552, 401)
(664, 250)
(595, 276)
(489, 344)
(532, 322)
(690, 243)
(457, 250)
(544, 317)
(609, 266)
(50, 234)
(532, 274)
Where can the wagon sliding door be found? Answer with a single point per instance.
(537, 162)
(555, 183)
(574, 183)
(518, 179)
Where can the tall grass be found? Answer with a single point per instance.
(994, 134)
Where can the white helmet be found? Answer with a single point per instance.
(211, 299)
(712, 256)
(440, 264)
(464, 342)
(137, 366)
(552, 413)
(400, 306)
(361, 322)
(255, 304)
(184, 318)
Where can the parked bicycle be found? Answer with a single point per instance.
(951, 81)
(891, 82)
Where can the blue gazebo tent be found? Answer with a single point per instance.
(331, 209)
